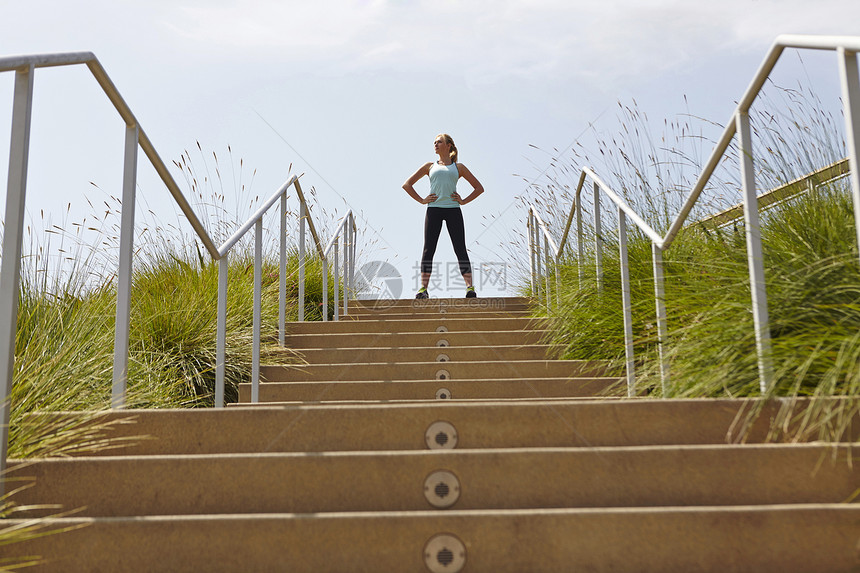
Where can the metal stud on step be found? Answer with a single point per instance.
(441, 435)
(442, 343)
(444, 553)
(442, 358)
(443, 375)
(442, 489)
(443, 394)
(442, 328)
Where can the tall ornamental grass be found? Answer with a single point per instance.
(65, 338)
(64, 354)
(810, 258)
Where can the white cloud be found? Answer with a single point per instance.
(491, 40)
(265, 25)
(486, 41)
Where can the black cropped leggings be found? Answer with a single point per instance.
(453, 218)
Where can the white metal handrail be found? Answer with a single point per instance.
(24, 68)
(739, 123)
(256, 221)
(778, 195)
(538, 267)
(346, 228)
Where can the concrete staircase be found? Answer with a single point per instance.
(441, 436)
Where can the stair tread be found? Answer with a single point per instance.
(679, 449)
(788, 538)
(441, 349)
(511, 478)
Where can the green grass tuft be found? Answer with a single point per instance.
(811, 268)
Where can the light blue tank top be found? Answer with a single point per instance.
(443, 182)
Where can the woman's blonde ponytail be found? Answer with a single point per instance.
(450, 141)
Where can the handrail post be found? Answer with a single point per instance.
(530, 230)
(580, 248)
(345, 280)
(626, 304)
(754, 253)
(347, 249)
(282, 275)
(126, 246)
(598, 239)
(221, 327)
(349, 224)
(546, 276)
(325, 289)
(538, 267)
(13, 236)
(258, 300)
(352, 256)
(662, 331)
(336, 281)
(848, 76)
(303, 213)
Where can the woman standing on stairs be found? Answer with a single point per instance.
(443, 204)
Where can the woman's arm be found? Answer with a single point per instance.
(477, 188)
(410, 190)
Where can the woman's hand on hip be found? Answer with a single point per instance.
(456, 197)
(429, 199)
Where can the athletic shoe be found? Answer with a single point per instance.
(470, 292)
(422, 293)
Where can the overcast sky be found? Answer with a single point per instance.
(353, 93)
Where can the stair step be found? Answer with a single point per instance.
(426, 354)
(413, 339)
(427, 325)
(429, 389)
(442, 371)
(478, 425)
(532, 478)
(413, 401)
(433, 309)
(387, 315)
(789, 539)
(413, 304)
